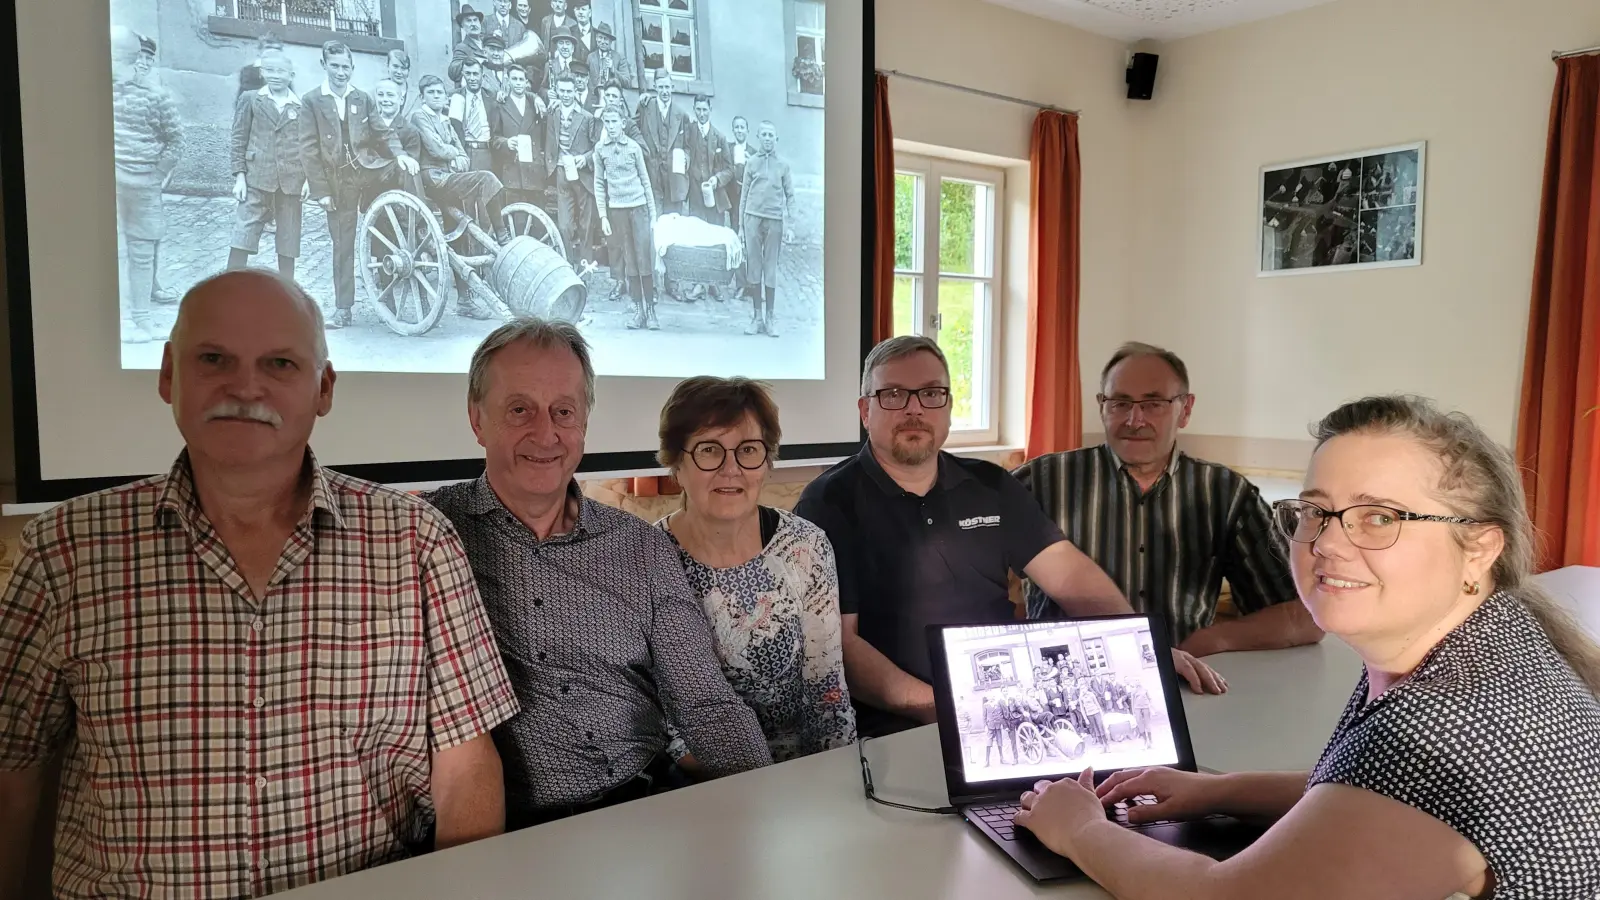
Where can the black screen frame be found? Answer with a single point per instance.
(962, 791)
(32, 487)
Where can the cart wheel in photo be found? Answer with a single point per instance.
(1070, 742)
(403, 260)
(530, 220)
(1030, 743)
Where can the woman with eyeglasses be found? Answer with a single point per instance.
(1467, 762)
(765, 577)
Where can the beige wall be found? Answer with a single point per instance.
(1474, 79)
(992, 48)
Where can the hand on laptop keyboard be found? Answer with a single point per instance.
(999, 817)
(1178, 795)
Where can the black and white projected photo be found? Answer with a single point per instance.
(1364, 211)
(649, 169)
(1049, 698)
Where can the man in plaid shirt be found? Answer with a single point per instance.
(261, 673)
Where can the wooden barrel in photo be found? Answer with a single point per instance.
(534, 280)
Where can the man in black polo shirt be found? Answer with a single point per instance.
(924, 537)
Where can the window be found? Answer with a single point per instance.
(947, 238)
(358, 17)
(673, 36)
(1094, 655)
(367, 26)
(808, 53)
(993, 668)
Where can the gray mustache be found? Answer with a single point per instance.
(256, 412)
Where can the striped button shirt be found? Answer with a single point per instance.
(220, 746)
(1169, 548)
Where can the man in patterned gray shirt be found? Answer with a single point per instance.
(601, 634)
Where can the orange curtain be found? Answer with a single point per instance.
(1558, 427)
(1055, 400)
(883, 233)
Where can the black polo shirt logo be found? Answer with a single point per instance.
(979, 522)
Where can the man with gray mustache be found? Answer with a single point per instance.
(924, 537)
(261, 673)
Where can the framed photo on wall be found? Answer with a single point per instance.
(1357, 211)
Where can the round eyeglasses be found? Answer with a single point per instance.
(708, 456)
(898, 398)
(1368, 526)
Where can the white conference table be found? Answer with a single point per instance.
(803, 829)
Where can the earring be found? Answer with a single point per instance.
(1470, 589)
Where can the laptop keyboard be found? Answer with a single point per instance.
(999, 816)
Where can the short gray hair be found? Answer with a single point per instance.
(1132, 349)
(899, 348)
(545, 334)
(289, 286)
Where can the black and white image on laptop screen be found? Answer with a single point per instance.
(1049, 698)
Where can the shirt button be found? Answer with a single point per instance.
(589, 735)
(611, 772)
(537, 601)
(1141, 549)
(930, 521)
(258, 625)
(261, 782)
(541, 656)
(565, 689)
(259, 702)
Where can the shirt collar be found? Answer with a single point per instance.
(951, 472)
(327, 90)
(1172, 464)
(483, 501)
(178, 496)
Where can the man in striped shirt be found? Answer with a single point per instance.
(1167, 527)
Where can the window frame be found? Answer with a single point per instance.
(933, 172)
(980, 656)
(791, 32)
(700, 40)
(230, 25)
(1100, 652)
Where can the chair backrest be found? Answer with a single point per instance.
(1579, 588)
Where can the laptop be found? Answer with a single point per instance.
(1021, 701)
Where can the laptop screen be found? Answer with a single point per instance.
(1046, 699)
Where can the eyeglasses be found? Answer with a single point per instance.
(898, 398)
(708, 456)
(1369, 526)
(1117, 408)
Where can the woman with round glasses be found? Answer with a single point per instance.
(1467, 762)
(765, 577)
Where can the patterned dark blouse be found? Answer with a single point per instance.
(1495, 736)
(776, 624)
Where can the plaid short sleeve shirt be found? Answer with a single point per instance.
(220, 745)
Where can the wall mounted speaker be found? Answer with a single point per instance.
(1141, 76)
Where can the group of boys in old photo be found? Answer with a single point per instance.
(526, 112)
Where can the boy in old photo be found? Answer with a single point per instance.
(147, 141)
(269, 180)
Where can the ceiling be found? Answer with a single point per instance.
(1159, 20)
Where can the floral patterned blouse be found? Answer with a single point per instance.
(776, 624)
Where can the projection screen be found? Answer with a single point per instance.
(212, 133)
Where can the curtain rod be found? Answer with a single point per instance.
(1584, 52)
(970, 90)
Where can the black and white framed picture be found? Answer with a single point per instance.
(1357, 211)
(272, 132)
